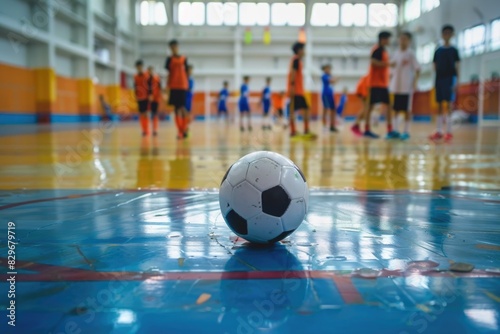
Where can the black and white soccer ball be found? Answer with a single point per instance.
(263, 197)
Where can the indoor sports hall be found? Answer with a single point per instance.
(239, 167)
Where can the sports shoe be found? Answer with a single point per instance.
(250, 128)
(370, 134)
(404, 136)
(242, 129)
(333, 129)
(448, 137)
(392, 135)
(436, 136)
(155, 133)
(356, 130)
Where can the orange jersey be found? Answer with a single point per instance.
(362, 86)
(277, 101)
(298, 84)
(141, 86)
(379, 76)
(155, 86)
(177, 72)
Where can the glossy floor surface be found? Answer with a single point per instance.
(120, 234)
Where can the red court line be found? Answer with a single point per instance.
(80, 275)
(347, 290)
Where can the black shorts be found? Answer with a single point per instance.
(177, 98)
(299, 102)
(154, 107)
(444, 89)
(379, 95)
(143, 105)
(401, 102)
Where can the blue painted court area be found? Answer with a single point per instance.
(165, 262)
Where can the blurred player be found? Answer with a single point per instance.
(296, 91)
(447, 67)
(244, 104)
(278, 105)
(155, 85)
(406, 71)
(143, 95)
(190, 92)
(342, 104)
(177, 87)
(362, 93)
(379, 84)
(327, 96)
(222, 101)
(266, 104)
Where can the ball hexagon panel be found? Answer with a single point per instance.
(275, 201)
(237, 173)
(263, 228)
(225, 193)
(294, 215)
(264, 174)
(246, 200)
(237, 223)
(292, 182)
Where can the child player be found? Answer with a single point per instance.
(190, 92)
(243, 103)
(143, 95)
(278, 103)
(177, 87)
(362, 93)
(155, 85)
(446, 65)
(404, 80)
(296, 91)
(266, 104)
(379, 83)
(327, 97)
(222, 101)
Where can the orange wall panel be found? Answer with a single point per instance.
(17, 90)
(67, 96)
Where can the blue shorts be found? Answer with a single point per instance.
(222, 108)
(444, 91)
(266, 106)
(244, 106)
(328, 101)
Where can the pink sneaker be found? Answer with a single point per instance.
(356, 130)
(436, 136)
(448, 137)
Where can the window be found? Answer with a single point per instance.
(495, 35)
(353, 15)
(428, 5)
(473, 40)
(191, 13)
(293, 14)
(152, 13)
(222, 13)
(325, 15)
(425, 53)
(383, 15)
(412, 10)
(252, 13)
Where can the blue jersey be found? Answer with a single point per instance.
(244, 92)
(189, 94)
(223, 95)
(327, 88)
(266, 95)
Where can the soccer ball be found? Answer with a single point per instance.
(263, 197)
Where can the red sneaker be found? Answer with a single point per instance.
(448, 137)
(356, 130)
(436, 136)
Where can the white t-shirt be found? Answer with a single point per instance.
(403, 73)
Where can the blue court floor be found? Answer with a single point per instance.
(121, 234)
